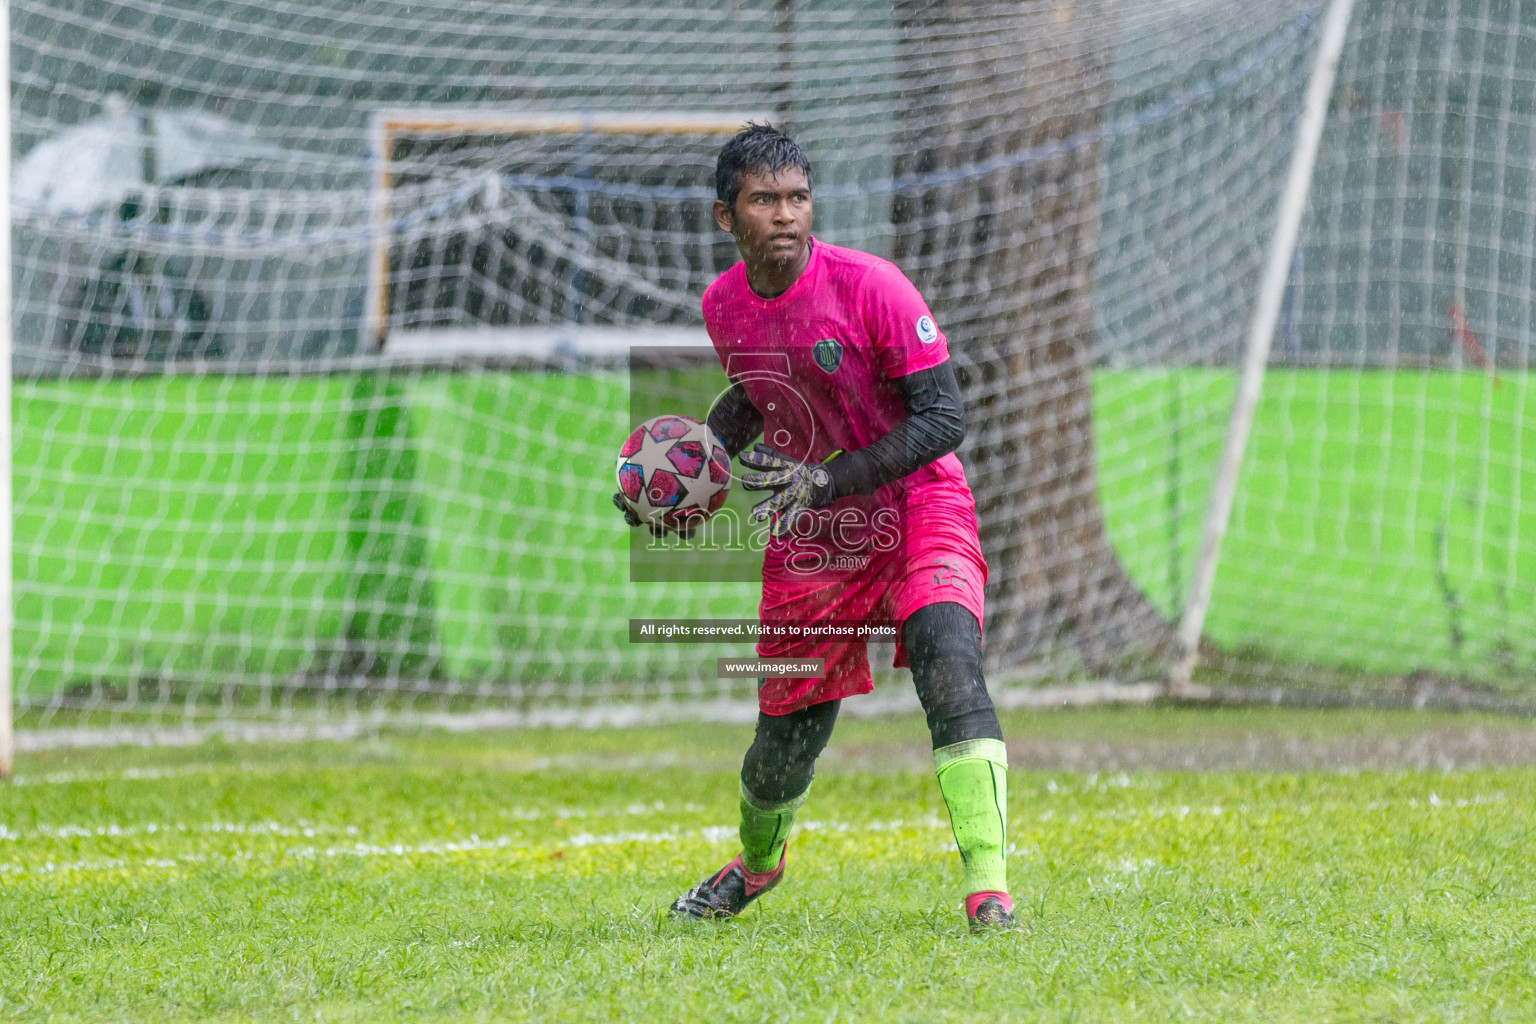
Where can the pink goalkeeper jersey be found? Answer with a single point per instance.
(817, 360)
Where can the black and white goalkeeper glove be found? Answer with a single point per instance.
(797, 486)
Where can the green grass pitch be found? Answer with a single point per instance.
(524, 876)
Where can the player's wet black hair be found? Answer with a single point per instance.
(757, 147)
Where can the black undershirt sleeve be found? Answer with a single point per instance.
(934, 427)
(735, 420)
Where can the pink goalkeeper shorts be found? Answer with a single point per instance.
(941, 561)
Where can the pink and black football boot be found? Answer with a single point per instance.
(989, 912)
(727, 892)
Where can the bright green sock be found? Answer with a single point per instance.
(973, 776)
(764, 828)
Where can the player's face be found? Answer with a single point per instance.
(772, 218)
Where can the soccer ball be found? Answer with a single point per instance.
(674, 471)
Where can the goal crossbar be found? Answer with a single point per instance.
(392, 124)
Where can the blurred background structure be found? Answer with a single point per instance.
(320, 311)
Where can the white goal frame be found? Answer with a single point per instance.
(1261, 336)
(7, 590)
(389, 125)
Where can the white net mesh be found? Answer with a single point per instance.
(232, 502)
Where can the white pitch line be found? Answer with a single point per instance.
(304, 830)
(69, 778)
(710, 834)
(308, 829)
(1180, 811)
(567, 762)
(469, 844)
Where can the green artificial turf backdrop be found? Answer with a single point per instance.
(215, 529)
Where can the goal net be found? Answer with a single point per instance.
(326, 317)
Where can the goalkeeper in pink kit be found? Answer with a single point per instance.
(836, 360)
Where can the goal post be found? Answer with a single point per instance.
(7, 593)
(1261, 335)
(391, 126)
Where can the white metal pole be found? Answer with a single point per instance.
(1261, 334)
(378, 263)
(7, 740)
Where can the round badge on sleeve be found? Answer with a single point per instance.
(927, 330)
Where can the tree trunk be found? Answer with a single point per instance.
(1004, 252)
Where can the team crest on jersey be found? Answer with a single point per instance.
(927, 330)
(828, 353)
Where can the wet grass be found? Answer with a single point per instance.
(525, 875)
